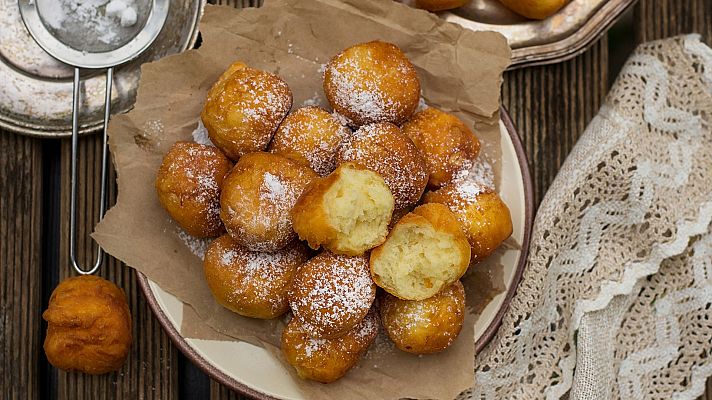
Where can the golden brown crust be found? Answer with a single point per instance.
(257, 198)
(310, 218)
(331, 293)
(442, 221)
(383, 148)
(446, 143)
(424, 326)
(372, 82)
(244, 108)
(485, 218)
(326, 360)
(535, 9)
(310, 135)
(440, 5)
(249, 283)
(188, 184)
(88, 326)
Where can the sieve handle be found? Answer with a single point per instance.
(104, 159)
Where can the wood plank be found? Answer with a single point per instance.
(552, 105)
(150, 371)
(20, 268)
(658, 19)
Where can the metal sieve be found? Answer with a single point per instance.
(84, 43)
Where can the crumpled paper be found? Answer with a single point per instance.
(460, 71)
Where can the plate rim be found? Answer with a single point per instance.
(182, 344)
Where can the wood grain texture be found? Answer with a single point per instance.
(20, 269)
(150, 371)
(552, 105)
(659, 19)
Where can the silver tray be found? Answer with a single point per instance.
(36, 90)
(557, 38)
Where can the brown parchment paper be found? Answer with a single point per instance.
(460, 71)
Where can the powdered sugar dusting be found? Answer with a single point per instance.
(196, 246)
(200, 135)
(313, 134)
(332, 290)
(473, 179)
(260, 277)
(384, 149)
(274, 189)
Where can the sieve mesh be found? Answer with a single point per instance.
(85, 25)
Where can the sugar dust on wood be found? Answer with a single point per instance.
(104, 17)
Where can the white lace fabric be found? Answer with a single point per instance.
(616, 298)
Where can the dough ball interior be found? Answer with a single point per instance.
(418, 260)
(359, 206)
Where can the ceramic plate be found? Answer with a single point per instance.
(265, 377)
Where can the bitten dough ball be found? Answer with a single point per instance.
(331, 293)
(440, 5)
(347, 211)
(372, 82)
(88, 326)
(188, 185)
(445, 141)
(425, 251)
(244, 108)
(310, 135)
(250, 283)
(425, 326)
(326, 360)
(383, 148)
(485, 218)
(257, 198)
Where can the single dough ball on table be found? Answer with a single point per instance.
(310, 135)
(331, 293)
(485, 218)
(252, 284)
(188, 184)
(326, 360)
(383, 148)
(372, 82)
(244, 108)
(257, 198)
(347, 211)
(425, 251)
(425, 326)
(445, 141)
(88, 326)
(440, 5)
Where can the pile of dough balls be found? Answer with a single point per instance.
(312, 211)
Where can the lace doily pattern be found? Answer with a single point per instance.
(634, 190)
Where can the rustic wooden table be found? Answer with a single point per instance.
(551, 105)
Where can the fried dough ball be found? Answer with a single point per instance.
(310, 135)
(250, 283)
(440, 5)
(383, 148)
(88, 326)
(326, 360)
(257, 198)
(331, 293)
(425, 251)
(445, 141)
(372, 82)
(188, 185)
(244, 108)
(485, 218)
(347, 211)
(425, 326)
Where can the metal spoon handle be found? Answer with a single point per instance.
(74, 179)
